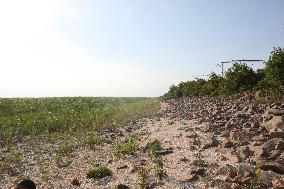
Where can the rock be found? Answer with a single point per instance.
(239, 136)
(190, 178)
(75, 182)
(154, 185)
(276, 134)
(278, 184)
(269, 146)
(122, 186)
(237, 186)
(247, 125)
(245, 152)
(272, 165)
(241, 114)
(164, 151)
(256, 143)
(225, 134)
(227, 144)
(122, 167)
(276, 123)
(198, 171)
(228, 170)
(266, 178)
(184, 159)
(255, 124)
(277, 112)
(210, 141)
(171, 122)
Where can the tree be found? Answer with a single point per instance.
(240, 77)
(274, 70)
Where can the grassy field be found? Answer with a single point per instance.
(34, 117)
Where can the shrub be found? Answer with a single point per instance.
(128, 147)
(274, 71)
(92, 140)
(65, 149)
(159, 165)
(153, 146)
(144, 177)
(239, 77)
(10, 160)
(63, 155)
(99, 172)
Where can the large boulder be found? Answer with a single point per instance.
(276, 123)
(272, 165)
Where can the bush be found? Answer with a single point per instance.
(238, 78)
(274, 71)
(99, 172)
(128, 147)
(92, 140)
(144, 178)
(153, 147)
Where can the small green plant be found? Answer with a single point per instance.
(11, 160)
(159, 165)
(144, 177)
(153, 146)
(99, 172)
(92, 140)
(255, 179)
(200, 162)
(128, 147)
(65, 149)
(63, 154)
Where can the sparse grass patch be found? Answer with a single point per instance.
(200, 162)
(159, 166)
(143, 178)
(11, 160)
(51, 117)
(128, 147)
(153, 146)
(255, 179)
(92, 140)
(63, 154)
(99, 172)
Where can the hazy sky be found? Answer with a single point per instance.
(127, 47)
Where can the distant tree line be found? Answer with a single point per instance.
(238, 78)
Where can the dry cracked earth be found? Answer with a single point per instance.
(225, 142)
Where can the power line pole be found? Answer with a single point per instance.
(235, 61)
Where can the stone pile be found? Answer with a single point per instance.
(252, 132)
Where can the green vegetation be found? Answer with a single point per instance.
(128, 147)
(200, 161)
(255, 180)
(99, 172)
(153, 146)
(33, 117)
(238, 78)
(92, 140)
(144, 177)
(63, 154)
(10, 160)
(159, 166)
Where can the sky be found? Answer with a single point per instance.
(128, 47)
